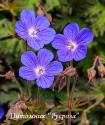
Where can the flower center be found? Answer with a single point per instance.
(39, 70)
(33, 32)
(72, 45)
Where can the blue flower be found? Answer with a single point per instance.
(2, 112)
(34, 29)
(40, 67)
(73, 44)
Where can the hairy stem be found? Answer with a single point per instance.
(69, 105)
(70, 98)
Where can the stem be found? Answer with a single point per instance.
(29, 90)
(69, 111)
(95, 104)
(70, 99)
(83, 103)
(64, 121)
(18, 85)
(38, 95)
(73, 87)
(13, 17)
(20, 89)
(95, 61)
(68, 89)
(69, 102)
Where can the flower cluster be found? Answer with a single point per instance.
(36, 32)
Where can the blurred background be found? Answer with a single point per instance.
(87, 13)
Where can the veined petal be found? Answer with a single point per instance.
(21, 29)
(28, 16)
(35, 43)
(47, 35)
(27, 73)
(85, 36)
(71, 31)
(45, 81)
(29, 58)
(54, 68)
(80, 53)
(59, 42)
(41, 23)
(65, 55)
(45, 56)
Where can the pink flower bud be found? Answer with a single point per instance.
(91, 74)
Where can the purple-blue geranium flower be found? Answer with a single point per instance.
(34, 29)
(2, 112)
(40, 67)
(73, 44)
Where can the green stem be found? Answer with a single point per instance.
(29, 89)
(18, 85)
(73, 87)
(38, 95)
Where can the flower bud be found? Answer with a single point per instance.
(91, 74)
(9, 75)
(70, 71)
(101, 70)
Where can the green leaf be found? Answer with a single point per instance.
(96, 16)
(50, 4)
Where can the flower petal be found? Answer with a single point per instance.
(65, 55)
(54, 68)
(71, 30)
(35, 43)
(85, 36)
(80, 53)
(29, 58)
(47, 35)
(45, 81)
(21, 30)
(59, 42)
(2, 112)
(28, 17)
(45, 56)
(41, 22)
(27, 73)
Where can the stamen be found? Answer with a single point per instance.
(39, 70)
(33, 32)
(72, 45)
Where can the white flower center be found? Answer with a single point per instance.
(33, 32)
(72, 45)
(39, 70)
